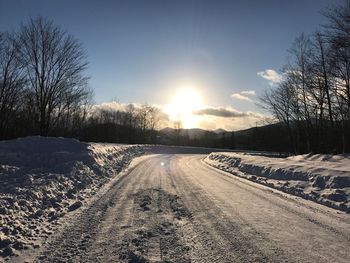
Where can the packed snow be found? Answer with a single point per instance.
(321, 178)
(42, 179)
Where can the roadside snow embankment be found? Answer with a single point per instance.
(322, 178)
(41, 179)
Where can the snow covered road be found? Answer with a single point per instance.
(175, 208)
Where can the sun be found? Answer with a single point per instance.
(182, 106)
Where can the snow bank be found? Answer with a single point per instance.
(321, 178)
(42, 179)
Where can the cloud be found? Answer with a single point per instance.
(244, 95)
(117, 106)
(239, 96)
(223, 112)
(271, 75)
(111, 106)
(219, 112)
(248, 92)
(228, 118)
(256, 115)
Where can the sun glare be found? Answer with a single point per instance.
(182, 106)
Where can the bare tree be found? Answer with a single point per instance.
(322, 68)
(339, 22)
(12, 81)
(281, 102)
(338, 32)
(299, 75)
(147, 117)
(54, 62)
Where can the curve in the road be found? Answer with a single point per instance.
(184, 211)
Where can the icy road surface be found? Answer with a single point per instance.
(175, 208)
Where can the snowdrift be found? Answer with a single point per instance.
(42, 179)
(322, 178)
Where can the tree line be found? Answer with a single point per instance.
(44, 90)
(134, 124)
(312, 102)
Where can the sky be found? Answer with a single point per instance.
(148, 51)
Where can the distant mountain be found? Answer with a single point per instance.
(197, 133)
(249, 131)
(192, 133)
(271, 137)
(218, 131)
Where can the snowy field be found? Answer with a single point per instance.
(42, 179)
(321, 178)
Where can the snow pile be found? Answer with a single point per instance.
(41, 179)
(321, 178)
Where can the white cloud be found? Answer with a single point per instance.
(239, 96)
(117, 106)
(111, 106)
(271, 75)
(244, 95)
(248, 92)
